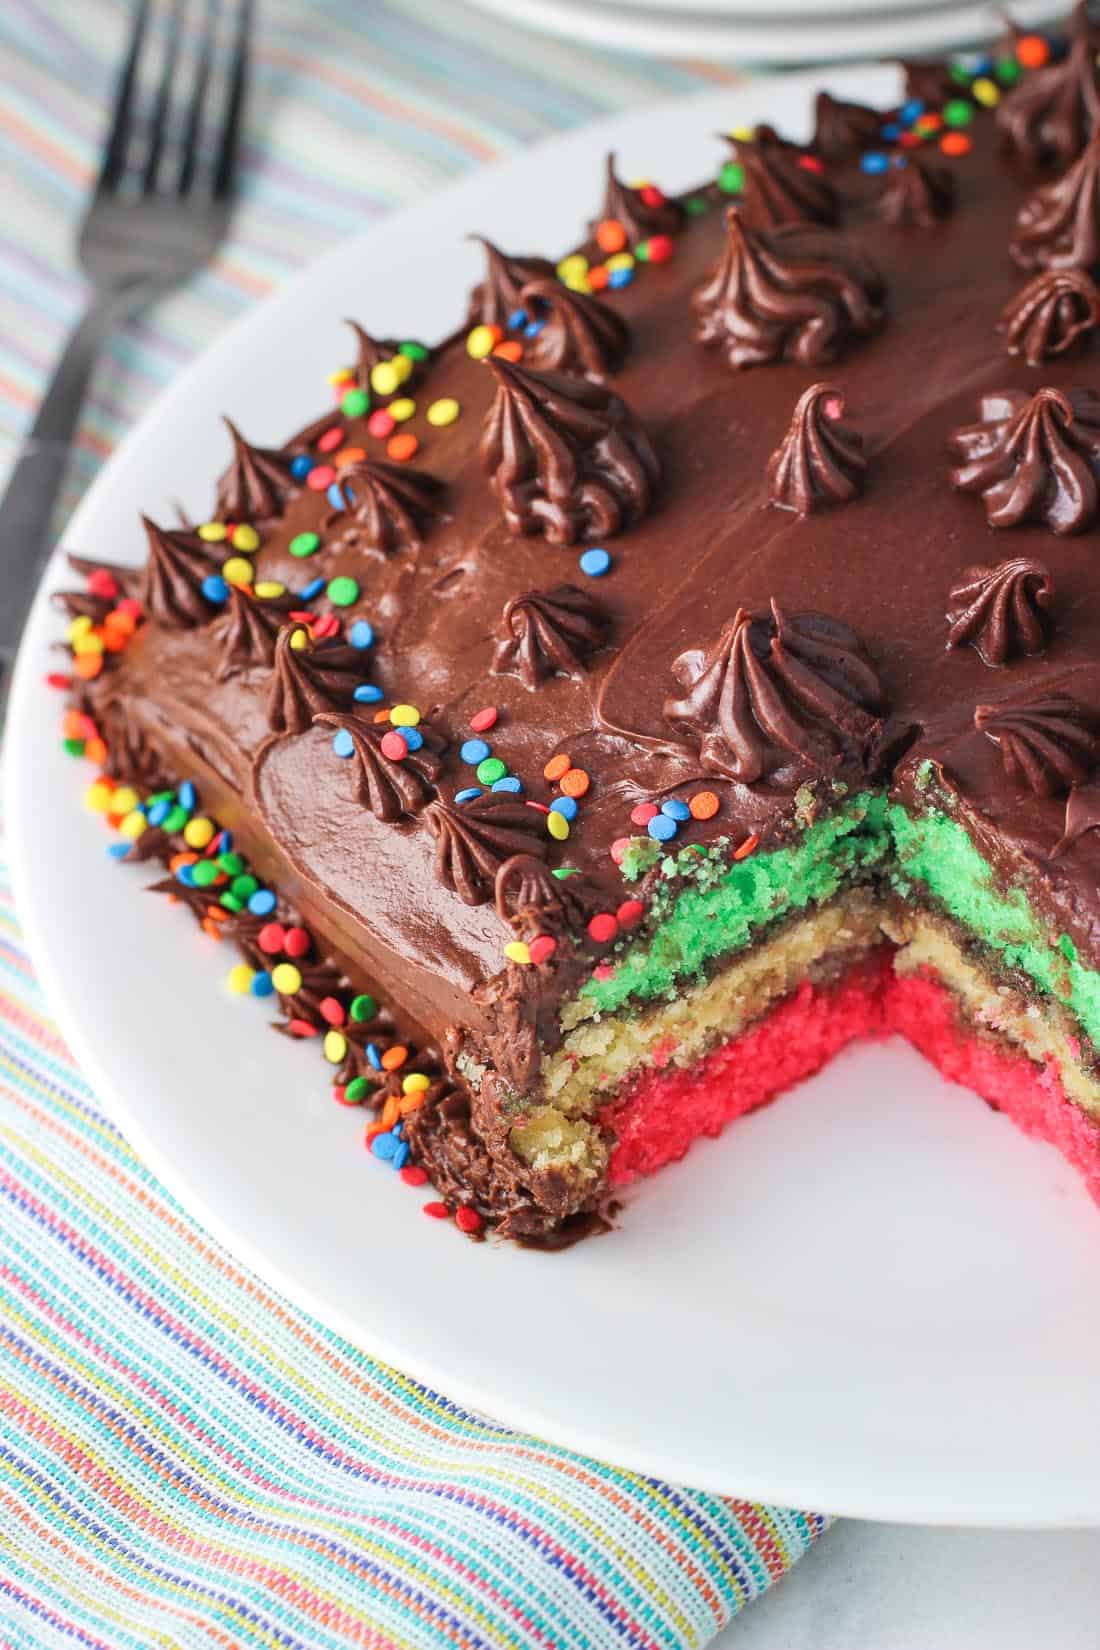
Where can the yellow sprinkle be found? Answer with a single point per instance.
(986, 91)
(286, 979)
(268, 589)
(79, 627)
(124, 800)
(480, 342)
(383, 378)
(579, 283)
(133, 825)
(402, 366)
(517, 952)
(198, 832)
(335, 1047)
(638, 183)
(299, 640)
(342, 375)
(88, 643)
(558, 826)
(401, 409)
(98, 797)
(239, 979)
(575, 264)
(404, 716)
(443, 412)
(246, 538)
(742, 134)
(621, 260)
(237, 571)
(212, 531)
(415, 1083)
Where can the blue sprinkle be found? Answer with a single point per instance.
(342, 743)
(890, 132)
(474, 751)
(517, 319)
(401, 1156)
(262, 985)
(373, 1056)
(367, 694)
(118, 850)
(301, 466)
(186, 875)
(874, 162)
(675, 809)
(620, 277)
(226, 844)
(361, 633)
(383, 1146)
(187, 795)
(313, 588)
(159, 812)
(214, 588)
(595, 563)
(262, 902)
(662, 828)
(911, 111)
(509, 783)
(398, 1131)
(412, 737)
(468, 794)
(533, 328)
(566, 806)
(335, 496)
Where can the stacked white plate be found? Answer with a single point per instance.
(773, 31)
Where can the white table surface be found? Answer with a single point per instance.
(894, 1587)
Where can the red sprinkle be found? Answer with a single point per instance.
(630, 913)
(603, 927)
(57, 679)
(485, 719)
(381, 423)
(327, 625)
(660, 251)
(438, 1211)
(413, 1175)
(320, 477)
(603, 971)
(100, 583)
(539, 807)
(468, 1220)
(301, 1028)
(542, 948)
(332, 1010)
(651, 195)
(130, 605)
(296, 942)
(331, 440)
(643, 813)
(618, 848)
(340, 1095)
(393, 746)
(810, 163)
(272, 938)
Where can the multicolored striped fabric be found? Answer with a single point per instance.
(185, 1460)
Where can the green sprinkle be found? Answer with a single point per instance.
(74, 747)
(204, 873)
(641, 252)
(355, 403)
(958, 112)
(564, 871)
(175, 821)
(231, 902)
(363, 1007)
(244, 887)
(960, 73)
(696, 205)
(357, 1089)
(731, 179)
(414, 351)
(231, 864)
(491, 770)
(159, 796)
(304, 544)
(342, 591)
(1007, 70)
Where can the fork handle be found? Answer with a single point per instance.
(27, 507)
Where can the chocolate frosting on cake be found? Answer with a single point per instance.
(171, 587)
(1050, 315)
(783, 184)
(1058, 227)
(1046, 745)
(387, 507)
(999, 610)
(497, 296)
(1033, 458)
(474, 839)
(916, 193)
(842, 129)
(246, 630)
(641, 212)
(549, 633)
(579, 333)
(309, 678)
(257, 482)
(1051, 115)
(820, 461)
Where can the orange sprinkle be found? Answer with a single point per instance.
(121, 620)
(95, 750)
(381, 716)
(88, 665)
(178, 860)
(217, 913)
(747, 846)
(610, 235)
(928, 123)
(374, 1129)
(211, 928)
(599, 277)
(391, 1111)
(574, 782)
(114, 641)
(394, 1057)
(703, 805)
(349, 455)
(955, 143)
(402, 446)
(72, 725)
(1032, 51)
(510, 350)
(409, 1102)
(557, 766)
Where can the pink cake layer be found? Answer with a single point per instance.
(666, 1110)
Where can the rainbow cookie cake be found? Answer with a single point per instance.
(592, 723)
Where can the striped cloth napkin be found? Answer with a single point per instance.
(185, 1459)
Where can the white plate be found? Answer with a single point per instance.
(873, 1298)
(789, 31)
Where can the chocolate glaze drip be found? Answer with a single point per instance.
(549, 633)
(1033, 458)
(579, 333)
(473, 840)
(390, 507)
(1058, 227)
(640, 218)
(565, 456)
(797, 293)
(496, 297)
(998, 610)
(309, 679)
(171, 589)
(842, 129)
(369, 353)
(820, 461)
(783, 184)
(246, 630)
(257, 483)
(532, 900)
(1050, 116)
(1050, 314)
(769, 690)
(1046, 745)
(915, 193)
(391, 790)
